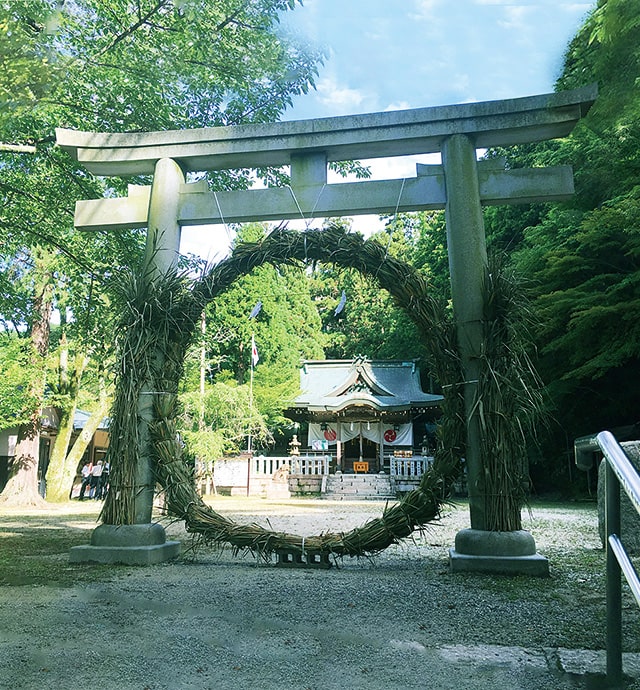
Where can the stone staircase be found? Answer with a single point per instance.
(358, 487)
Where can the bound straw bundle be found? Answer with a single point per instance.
(156, 332)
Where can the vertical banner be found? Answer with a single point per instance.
(254, 352)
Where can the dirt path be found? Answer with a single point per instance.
(397, 621)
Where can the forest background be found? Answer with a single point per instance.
(113, 65)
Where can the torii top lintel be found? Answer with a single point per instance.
(375, 135)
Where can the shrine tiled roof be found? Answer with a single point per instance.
(384, 385)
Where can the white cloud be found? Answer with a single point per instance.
(461, 83)
(338, 98)
(399, 105)
(425, 9)
(515, 17)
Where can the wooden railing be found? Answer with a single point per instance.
(298, 464)
(314, 465)
(415, 466)
(410, 467)
(264, 465)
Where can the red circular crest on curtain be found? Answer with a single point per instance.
(390, 435)
(330, 435)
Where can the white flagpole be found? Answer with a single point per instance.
(254, 312)
(250, 393)
(254, 358)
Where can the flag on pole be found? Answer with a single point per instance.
(254, 352)
(343, 301)
(256, 310)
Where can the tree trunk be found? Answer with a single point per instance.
(74, 456)
(22, 487)
(60, 472)
(57, 470)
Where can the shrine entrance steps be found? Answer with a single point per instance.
(358, 487)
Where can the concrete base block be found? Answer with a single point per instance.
(278, 490)
(288, 558)
(143, 544)
(535, 565)
(508, 553)
(629, 518)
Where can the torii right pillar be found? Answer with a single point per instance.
(477, 549)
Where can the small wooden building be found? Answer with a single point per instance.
(368, 415)
(96, 449)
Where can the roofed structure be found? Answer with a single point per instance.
(364, 411)
(360, 389)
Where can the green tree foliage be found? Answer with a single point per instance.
(426, 237)
(605, 148)
(111, 65)
(582, 257)
(16, 402)
(285, 327)
(587, 270)
(229, 419)
(370, 324)
(153, 64)
(358, 318)
(286, 331)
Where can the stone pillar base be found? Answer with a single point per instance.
(507, 553)
(143, 544)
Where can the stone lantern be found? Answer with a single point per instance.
(294, 446)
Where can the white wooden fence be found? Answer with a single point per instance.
(302, 464)
(415, 466)
(305, 464)
(263, 465)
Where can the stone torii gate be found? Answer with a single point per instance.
(461, 185)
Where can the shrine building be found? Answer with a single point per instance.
(368, 416)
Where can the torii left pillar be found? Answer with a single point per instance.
(145, 542)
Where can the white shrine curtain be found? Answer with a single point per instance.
(321, 439)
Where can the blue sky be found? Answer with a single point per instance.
(396, 54)
(391, 54)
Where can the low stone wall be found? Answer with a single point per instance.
(303, 484)
(403, 485)
(630, 520)
(230, 476)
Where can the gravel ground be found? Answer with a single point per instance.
(399, 620)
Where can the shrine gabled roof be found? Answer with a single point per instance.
(385, 385)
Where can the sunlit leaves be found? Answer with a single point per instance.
(17, 403)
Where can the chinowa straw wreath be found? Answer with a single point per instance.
(157, 330)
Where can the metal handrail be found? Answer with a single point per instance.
(619, 473)
(626, 473)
